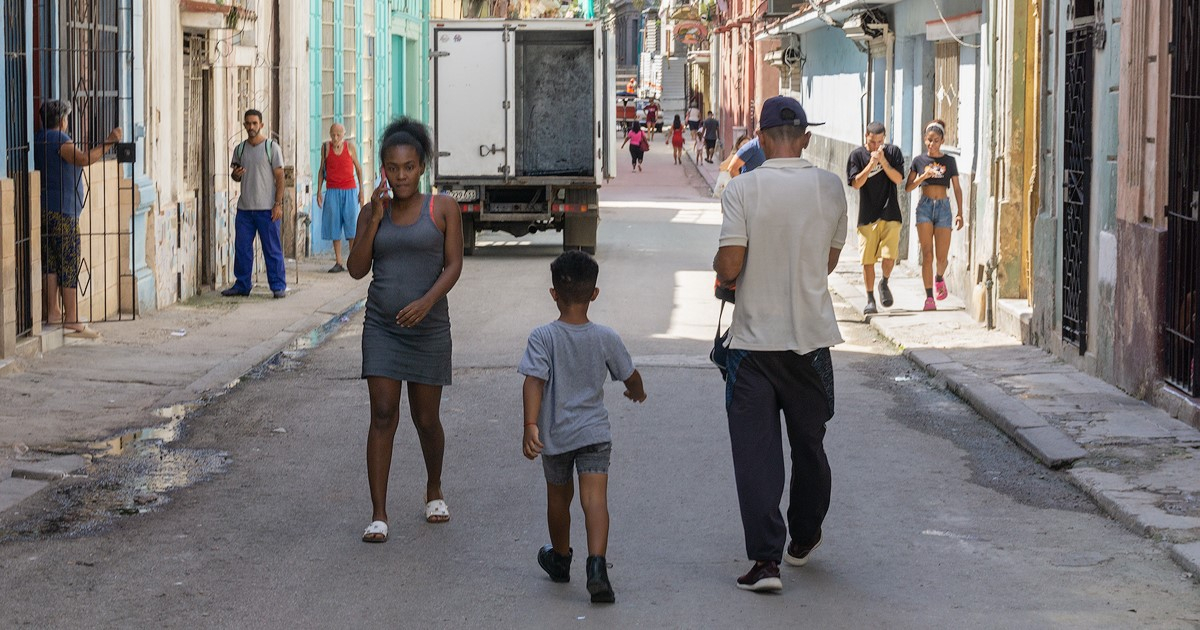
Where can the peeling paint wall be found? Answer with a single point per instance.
(1102, 237)
(190, 229)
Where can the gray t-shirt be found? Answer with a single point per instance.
(258, 182)
(573, 359)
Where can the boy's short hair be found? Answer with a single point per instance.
(574, 276)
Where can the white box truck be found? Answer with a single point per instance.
(523, 123)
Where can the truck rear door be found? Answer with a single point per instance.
(472, 105)
(608, 76)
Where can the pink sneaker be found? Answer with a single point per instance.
(939, 288)
(930, 305)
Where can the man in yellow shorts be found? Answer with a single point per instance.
(875, 169)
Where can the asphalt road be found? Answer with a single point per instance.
(938, 521)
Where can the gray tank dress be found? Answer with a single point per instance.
(407, 261)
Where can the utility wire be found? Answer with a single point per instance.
(949, 29)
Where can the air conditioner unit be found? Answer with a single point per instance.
(779, 8)
(866, 26)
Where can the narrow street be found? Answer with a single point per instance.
(938, 520)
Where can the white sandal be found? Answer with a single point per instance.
(436, 511)
(377, 532)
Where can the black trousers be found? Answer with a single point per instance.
(760, 386)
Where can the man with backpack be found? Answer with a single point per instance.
(258, 165)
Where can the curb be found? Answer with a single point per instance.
(1023, 425)
(32, 478)
(1130, 506)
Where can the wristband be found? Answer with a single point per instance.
(531, 424)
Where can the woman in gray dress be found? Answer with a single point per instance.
(414, 244)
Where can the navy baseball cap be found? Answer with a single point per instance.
(778, 111)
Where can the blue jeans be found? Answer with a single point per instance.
(935, 211)
(249, 223)
(591, 459)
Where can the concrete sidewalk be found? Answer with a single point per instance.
(139, 370)
(1137, 462)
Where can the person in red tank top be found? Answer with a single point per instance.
(343, 196)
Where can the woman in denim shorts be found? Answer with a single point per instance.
(935, 173)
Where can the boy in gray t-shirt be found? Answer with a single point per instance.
(565, 365)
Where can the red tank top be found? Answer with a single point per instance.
(339, 169)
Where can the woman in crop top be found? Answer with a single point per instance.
(935, 173)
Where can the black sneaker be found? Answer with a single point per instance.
(597, 581)
(556, 566)
(763, 577)
(885, 294)
(870, 309)
(280, 294)
(233, 292)
(337, 268)
(797, 555)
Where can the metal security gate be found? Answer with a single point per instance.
(16, 155)
(83, 54)
(1077, 183)
(1183, 203)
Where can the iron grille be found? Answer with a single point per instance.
(16, 153)
(83, 54)
(1077, 182)
(1183, 203)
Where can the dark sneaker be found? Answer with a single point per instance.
(280, 294)
(556, 566)
(797, 555)
(597, 581)
(337, 268)
(870, 309)
(763, 577)
(885, 295)
(233, 292)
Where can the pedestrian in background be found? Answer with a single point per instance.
(748, 158)
(653, 123)
(693, 120)
(723, 174)
(712, 129)
(413, 244)
(339, 206)
(675, 138)
(565, 365)
(61, 164)
(782, 232)
(258, 165)
(874, 169)
(638, 144)
(935, 173)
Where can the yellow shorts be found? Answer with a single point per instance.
(878, 240)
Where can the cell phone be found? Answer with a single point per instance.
(386, 184)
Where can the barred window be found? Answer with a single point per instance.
(79, 62)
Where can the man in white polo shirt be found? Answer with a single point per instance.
(784, 227)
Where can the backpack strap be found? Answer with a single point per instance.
(241, 148)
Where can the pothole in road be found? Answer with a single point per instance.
(130, 473)
(137, 471)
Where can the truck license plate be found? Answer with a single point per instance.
(459, 194)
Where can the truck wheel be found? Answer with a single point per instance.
(468, 226)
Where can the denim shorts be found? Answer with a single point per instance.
(592, 458)
(935, 211)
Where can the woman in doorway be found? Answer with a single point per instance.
(638, 142)
(675, 138)
(935, 173)
(413, 244)
(61, 163)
